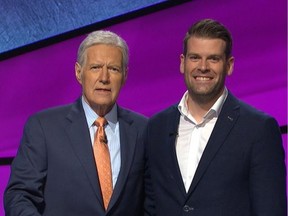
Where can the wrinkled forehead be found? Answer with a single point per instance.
(101, 50)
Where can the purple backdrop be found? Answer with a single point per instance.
(45, 77)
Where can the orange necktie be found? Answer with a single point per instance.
(102, 159)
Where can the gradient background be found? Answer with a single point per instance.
(45, 77)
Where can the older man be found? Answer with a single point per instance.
(86, 158)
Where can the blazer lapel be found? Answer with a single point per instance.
(172, 125)
(128, 136)
(78, 133)
(223, 126)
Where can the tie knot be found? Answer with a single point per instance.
(100, 122)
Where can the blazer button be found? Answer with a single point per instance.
(187, 208)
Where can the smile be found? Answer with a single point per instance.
(203, 78)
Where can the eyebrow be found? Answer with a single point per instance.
(211, 55)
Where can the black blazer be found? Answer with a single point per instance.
(241, 172)
(54, 172)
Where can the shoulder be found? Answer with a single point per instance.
(247, 109)
(55, 114)
(166, 113)
(57, 110)
(131, 116)
(247, 113)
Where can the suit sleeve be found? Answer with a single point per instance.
(268, 173)
(24, 192)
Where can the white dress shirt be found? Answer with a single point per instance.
(192, 137)
(112, 133)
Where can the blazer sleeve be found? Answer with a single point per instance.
(268, 173)
(24, 192)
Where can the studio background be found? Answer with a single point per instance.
(40, 78)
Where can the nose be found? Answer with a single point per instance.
(203, 66)
(104, 75)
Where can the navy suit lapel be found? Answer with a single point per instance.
(128, 136)
(172, 126)
(78, 133)
(223, 126)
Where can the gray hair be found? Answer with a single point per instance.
(104, 37)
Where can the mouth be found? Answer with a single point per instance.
(103, 90)
(202, 78)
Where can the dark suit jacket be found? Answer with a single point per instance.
(241, 172)
(54, 172)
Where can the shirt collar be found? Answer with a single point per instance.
(91, 116)
(217, 106)
(214, 110)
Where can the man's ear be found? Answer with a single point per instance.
(125, 76)
(182, 59)
(78, 73)
(230, 65)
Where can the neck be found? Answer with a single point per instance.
(199, 105)
(101, 110)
